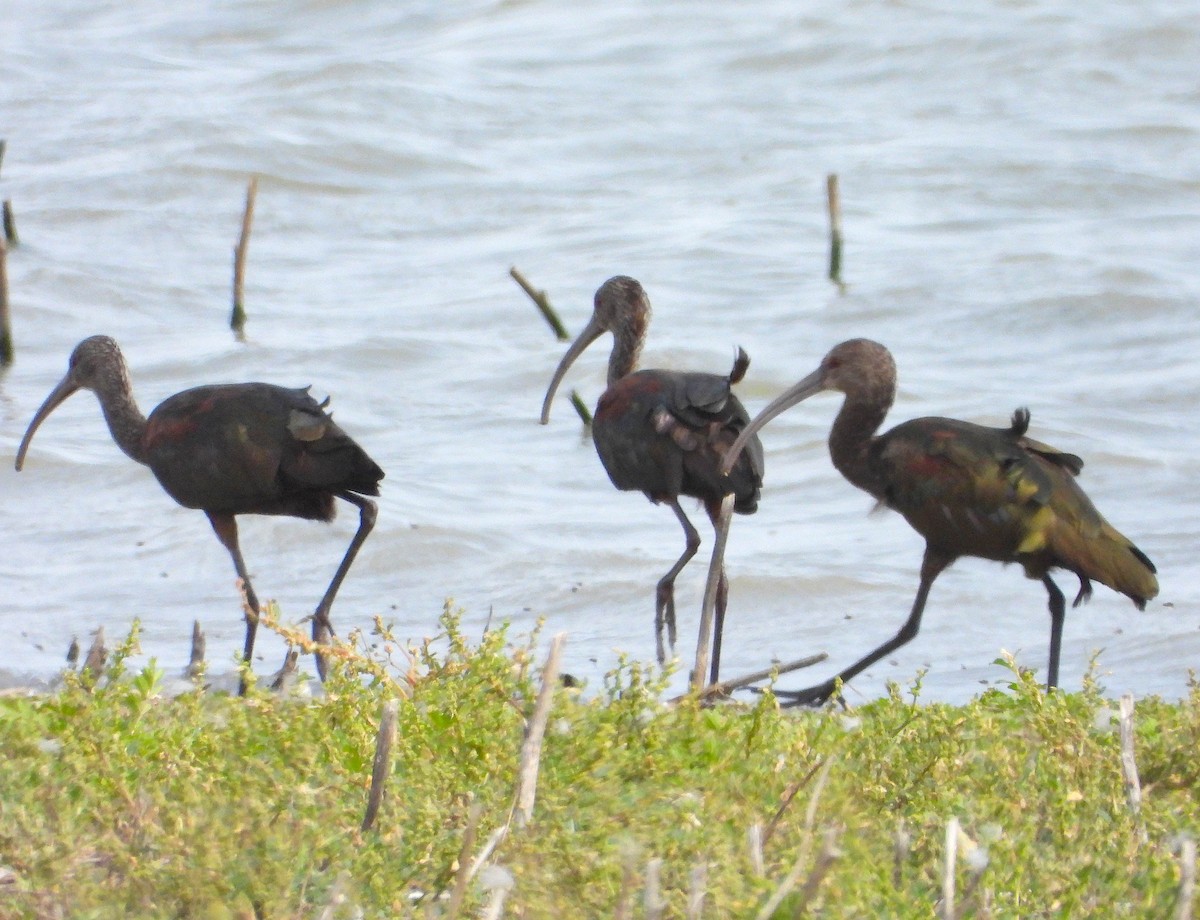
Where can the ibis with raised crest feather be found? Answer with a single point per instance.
(969, 490)
(230, 449)
(663, 433)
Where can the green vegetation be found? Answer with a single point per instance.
(118, 802)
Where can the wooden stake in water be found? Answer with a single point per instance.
(540, 298)
(237, 320)
(10, 224)
(542, 301)
(835, 230)
(6, 339)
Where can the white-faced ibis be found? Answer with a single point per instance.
(968, 490)
(230, 449)
(664, 433)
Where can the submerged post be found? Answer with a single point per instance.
(10, 224)
(6, 340)
(237, 320)
(835, 230)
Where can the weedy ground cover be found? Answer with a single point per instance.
(117, 800)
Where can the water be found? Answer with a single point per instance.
(1021, 187)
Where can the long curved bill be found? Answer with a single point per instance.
(809, 386)
(57, 396)
(592, 331)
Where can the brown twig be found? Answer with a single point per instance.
(237, 319)
(465, 862)
(829, 855)
(724, 687)
(382, 765)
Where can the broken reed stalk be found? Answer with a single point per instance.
(835, 229)
(196, 660)
(810, 817)
(542, 301)
(1187, 879)
(697, 889)
(10, 224)
(623, 909)
(828, 856)
(1129, 770)
(700, 669)
(754, 840)
(93, 664)
(948, 869)
(652, 902)
(465, 863)
(6, 340)
(282, 680)
(581, 409)
(788, 798)
(901, 845)
(531, 749)
(237, 319)
(381, 767)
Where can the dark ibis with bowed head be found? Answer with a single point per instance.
(664, 433)
(968, 490)
(230, 449)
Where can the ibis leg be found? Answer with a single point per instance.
(322, 628)
(225, 527)
(1058, 614)
(932, 565)
(664, 607)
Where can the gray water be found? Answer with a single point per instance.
(1021, 185)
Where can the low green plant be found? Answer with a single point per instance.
(119, 801)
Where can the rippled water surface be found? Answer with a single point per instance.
(1021, 185)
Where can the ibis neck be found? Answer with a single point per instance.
(627, 350)
(125, 419)
(850, 440)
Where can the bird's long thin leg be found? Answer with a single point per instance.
(322, 628)
(225, 527)
(932, 565)
(664, 607)
(1058, 614)
(722, 599)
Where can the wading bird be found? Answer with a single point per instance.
(664, 433)
(968, 490)
(230, 449)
